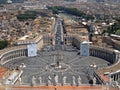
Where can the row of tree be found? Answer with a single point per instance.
(3, 1)
(27, 15)
(114, 29)
(72, 11)
(3, 44)
(14, 1)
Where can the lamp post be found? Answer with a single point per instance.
(93, 67)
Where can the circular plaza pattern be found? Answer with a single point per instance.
(73, 69)
(62, 67)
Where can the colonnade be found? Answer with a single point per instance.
(112, 56)
(21, 51)
(13, 53)
(115, 76)
(103, 53)
(109, 55)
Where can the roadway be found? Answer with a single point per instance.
(58, 33)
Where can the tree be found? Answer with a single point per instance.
(115, 28)
(27, 15)
(3, 44)
(14, 1)
(3, 1)
(55, 11)
(72, 11)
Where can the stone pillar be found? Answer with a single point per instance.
(93, 52)
(117, 55)
(119, 76)
(22, 53)
(114, 77)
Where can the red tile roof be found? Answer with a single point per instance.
(2, 71)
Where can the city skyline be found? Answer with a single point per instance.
(60, 45)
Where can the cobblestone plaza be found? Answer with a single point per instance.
(74, 70)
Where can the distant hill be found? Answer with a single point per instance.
(100, 0)
(14, 1)
(3, 1)
(70, 0)
(18, 1)
(115, 1)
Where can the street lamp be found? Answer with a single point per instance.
(22, 65)
(93, 67)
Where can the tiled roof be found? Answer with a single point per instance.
(2, 72)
